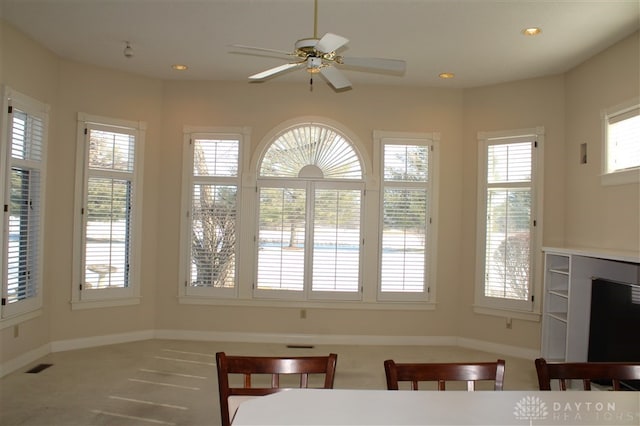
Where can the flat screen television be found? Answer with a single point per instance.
(614, 330)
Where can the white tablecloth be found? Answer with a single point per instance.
(382, 407)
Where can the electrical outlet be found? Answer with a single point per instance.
(509, 323)
(303, 313)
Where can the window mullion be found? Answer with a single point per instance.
(309, 243)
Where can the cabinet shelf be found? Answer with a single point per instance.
(560, 316)
(567, 296)
(560, 293)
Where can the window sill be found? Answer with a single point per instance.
(334, 304)
(104, 303)
(621, 177)
(20, 318)
(506, 313)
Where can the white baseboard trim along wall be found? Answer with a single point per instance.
(289, 339)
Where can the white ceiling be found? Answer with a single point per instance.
(478, 40)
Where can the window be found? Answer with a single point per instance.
(23, 159)
(310, 195)
(621, 128)
(210, 224)
(407, 196)
(507, 219)
(109, 185)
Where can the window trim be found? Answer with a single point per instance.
(99, 298)
(616, 177)
(431, 139)
(307, 295)
(495, 306)
(186, 293)
(31, 307)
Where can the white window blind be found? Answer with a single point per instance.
(405, 217)
(507, 181)
(210, 225)
(108, 219)
(25, 143)
(310, 192)
(214, 212)
(336, 235)
(281, 238)
(403, 240)
(623, 141)
(107, 228)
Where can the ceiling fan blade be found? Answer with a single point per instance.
(335, 77)
(252, 49)
(330, 42)
(391, 65)
(273, 71)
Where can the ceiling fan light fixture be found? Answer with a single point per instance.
(531, 31)
(313, 64)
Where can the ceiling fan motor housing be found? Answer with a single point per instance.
(306, 46)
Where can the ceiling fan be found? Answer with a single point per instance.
(318, 55)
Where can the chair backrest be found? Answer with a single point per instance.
(254, 366)
(585, 371)
(444, 372)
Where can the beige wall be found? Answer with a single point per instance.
(97, 91)
(362, 110)
(511, 106)
(596, 215)
(558, 103)
(33, 71)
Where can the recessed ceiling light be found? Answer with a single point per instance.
(179, 67)
(446, 75)
(531, 31)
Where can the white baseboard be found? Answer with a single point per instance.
(339, 339)
(497, 348)
(24, 360)
(306, 339)
(296, 339)
(93, 341)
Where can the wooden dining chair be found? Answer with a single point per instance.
(267, 372)
(444, 372)
(613, 372)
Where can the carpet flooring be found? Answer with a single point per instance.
(174, 382)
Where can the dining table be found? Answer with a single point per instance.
(407, 407)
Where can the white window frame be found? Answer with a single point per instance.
(30, 307)
(611, 176)
(431, 140)
(310, 185)
(83, 297)
(526, 309)
(186, 292)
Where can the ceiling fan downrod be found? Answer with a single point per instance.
(315, 19)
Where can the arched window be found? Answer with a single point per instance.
(310, 196)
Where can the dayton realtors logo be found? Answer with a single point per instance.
(531, 408)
